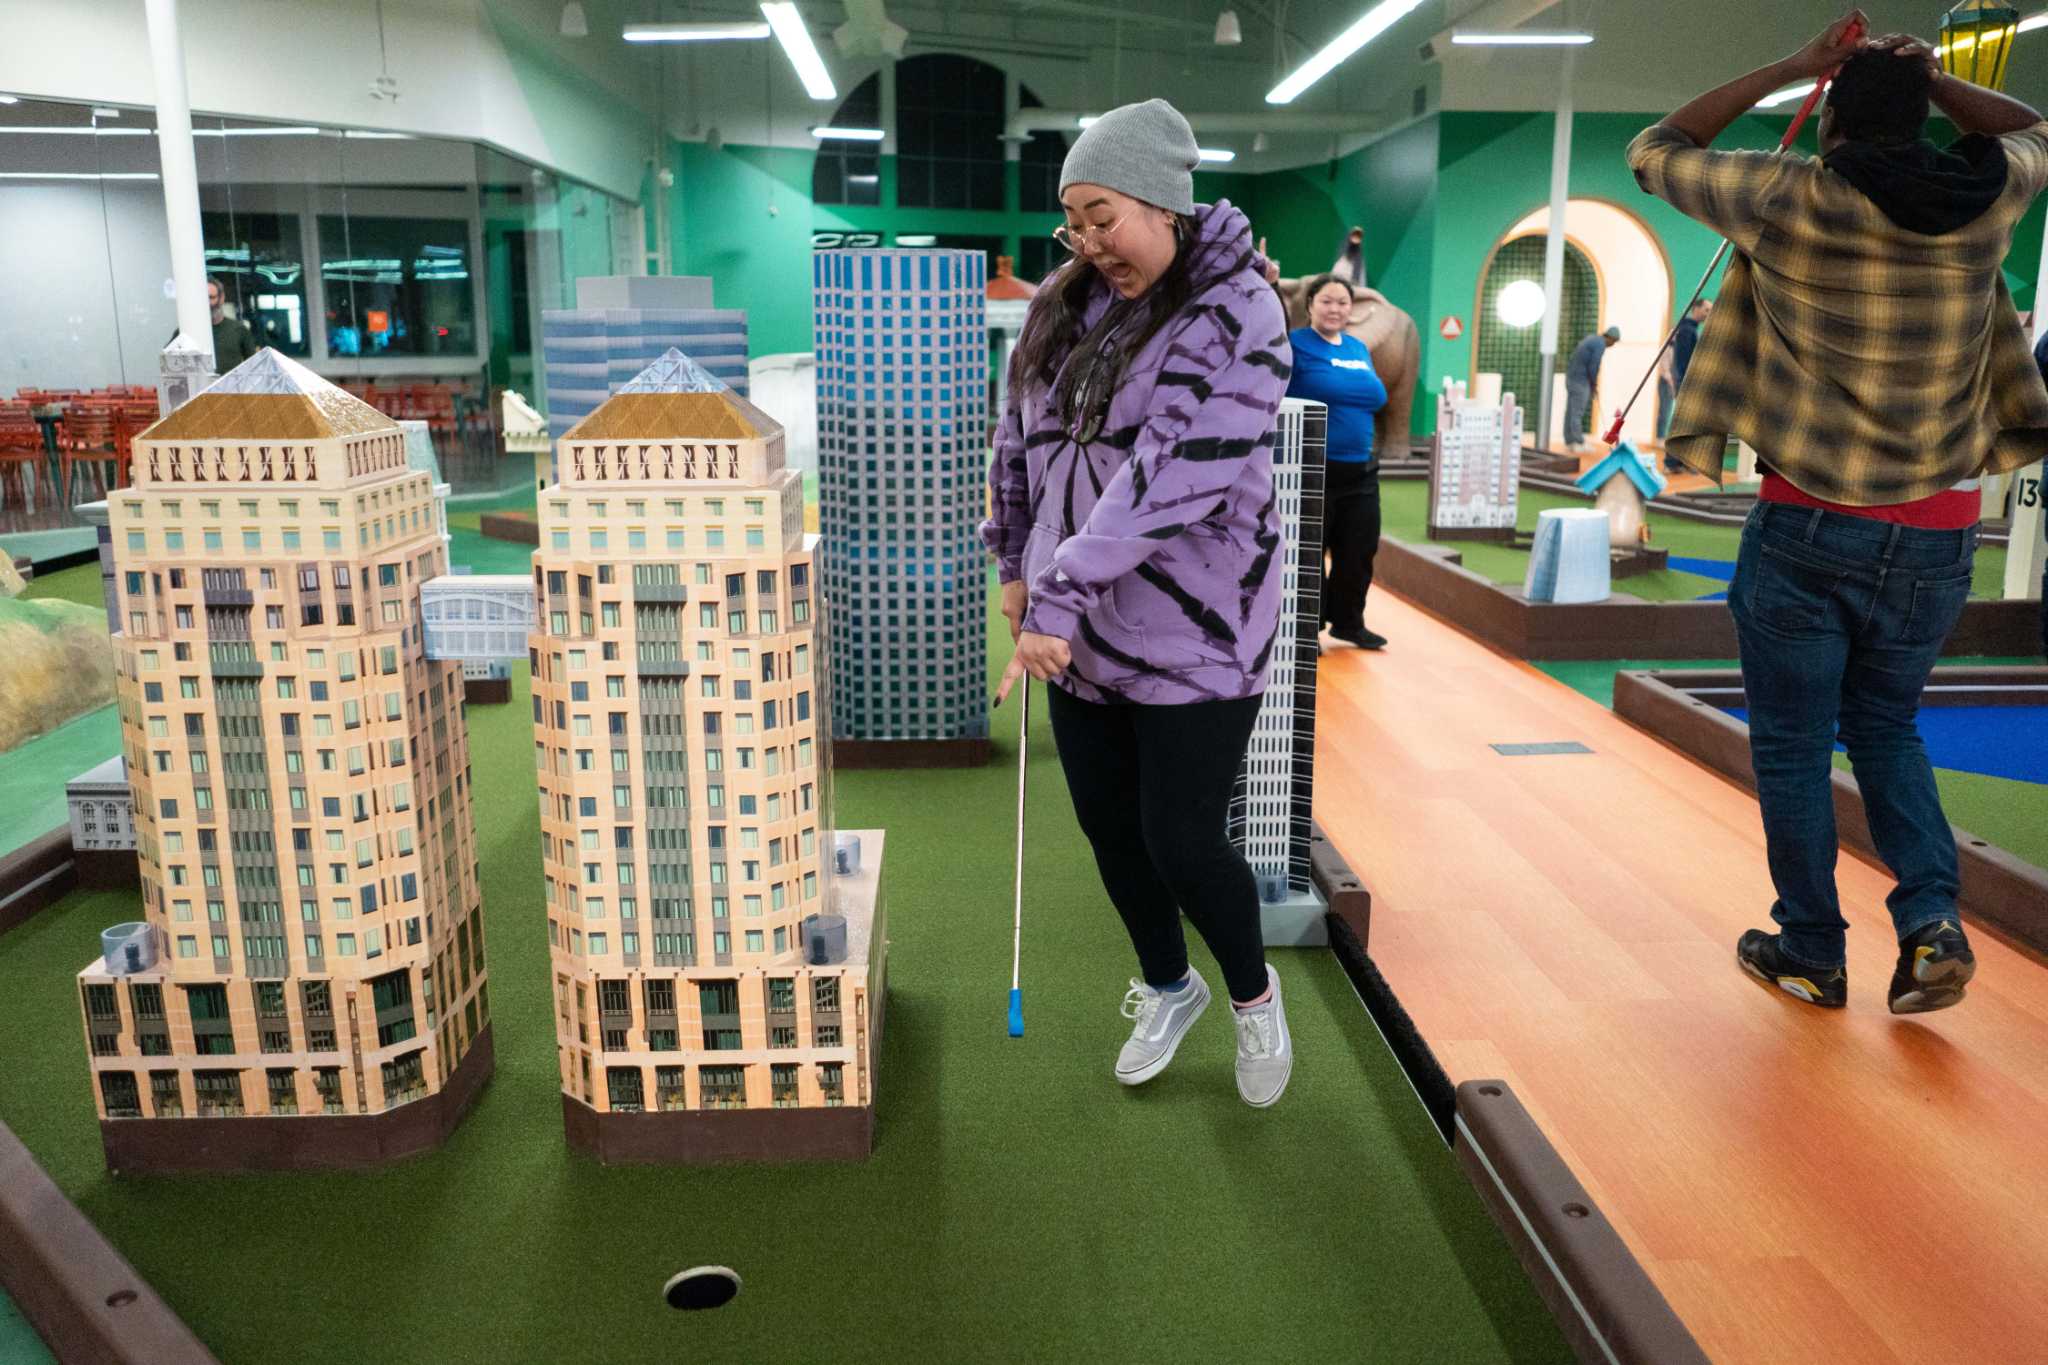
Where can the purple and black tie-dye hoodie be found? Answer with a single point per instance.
(1154, 550)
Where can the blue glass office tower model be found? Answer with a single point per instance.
(902, 345)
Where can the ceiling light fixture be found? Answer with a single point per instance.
(916, 239)
(1087, 120)
(77, 175)
(574, 23)
(1216, 154)
(693, 33)
(1371, 25)
(788, 25)
(2030, 24)
(1261, 143)
(847, 134)
(1520, 39)
(1229, 33)
(10, 99)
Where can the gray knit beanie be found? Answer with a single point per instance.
(1144, 150)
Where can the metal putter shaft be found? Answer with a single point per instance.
(1806, 107)
(1017, 920)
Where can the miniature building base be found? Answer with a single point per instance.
(1300, 921)
(484, 692)
(106, 869)
(910, 753)
(702, 1137)
(517, 527)
(1503, 535)
(303, 1142)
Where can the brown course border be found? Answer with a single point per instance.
(1601, 1296)
(1434, 579)
(1343, 892)
(82, 1297)
(1998, 889)
(337, 1142)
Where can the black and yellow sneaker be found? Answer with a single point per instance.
(1761, 956)
(1934, 966)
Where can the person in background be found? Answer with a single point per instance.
(1132, 517)
(1334, 368)
(233, 342)
(1879, 259)
(1667, 391)
(1581, 378)
(1676, 357)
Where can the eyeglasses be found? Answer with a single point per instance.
(1078, 239)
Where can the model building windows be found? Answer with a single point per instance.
(832, 1084)
(723, 1087)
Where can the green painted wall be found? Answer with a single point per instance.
(1433, 198)
(744, 216)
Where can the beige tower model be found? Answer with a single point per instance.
(307, 986)
(717, 993)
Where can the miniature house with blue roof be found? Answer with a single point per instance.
(1622, 485)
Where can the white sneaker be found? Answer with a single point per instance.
(1265, 1049)
(1162, 1020)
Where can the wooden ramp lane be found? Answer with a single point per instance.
(1800, 1184)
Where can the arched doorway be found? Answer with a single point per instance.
(1629, 286)
(1513, 349)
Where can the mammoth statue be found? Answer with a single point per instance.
(1386, 331)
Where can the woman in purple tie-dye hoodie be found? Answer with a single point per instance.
(1134, 526)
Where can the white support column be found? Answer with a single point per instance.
(180, 174)
(1553, 249)
(2025, 550)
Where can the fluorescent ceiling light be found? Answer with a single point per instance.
(1521, 39)
(1216, 154)
(105, 111)
(1087, 120)
(77, 175)
(847, 134)
(1376, 21)
(10, 99)
(1785, 96)
(77, 132)
(916, 239)
(370, 135)
(693, 33)
(782, 16)
(863, 179)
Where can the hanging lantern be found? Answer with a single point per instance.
(1976, 38)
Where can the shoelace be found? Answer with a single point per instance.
(1255, 1032)
(1142, 1004)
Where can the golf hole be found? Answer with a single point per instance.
(707, 1286)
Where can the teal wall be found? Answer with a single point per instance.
(760, 260)
(1433, 199)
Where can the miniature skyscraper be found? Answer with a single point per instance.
(620, 326)
(685, 794)
(902, 343)
(302, 794)
(1270, 810)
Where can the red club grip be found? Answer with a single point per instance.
(1613, 436)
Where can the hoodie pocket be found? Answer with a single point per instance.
(1038, 550)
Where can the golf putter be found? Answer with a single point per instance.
(1017, 920)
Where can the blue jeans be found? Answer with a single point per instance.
(1840, 620)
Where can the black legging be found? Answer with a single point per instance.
(1351, 535)
(1151, 787)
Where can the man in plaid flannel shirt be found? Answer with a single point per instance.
(1865, 346)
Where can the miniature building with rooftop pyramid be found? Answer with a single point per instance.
(717, 991)
(306, 987)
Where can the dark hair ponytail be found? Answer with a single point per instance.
(1052, 329)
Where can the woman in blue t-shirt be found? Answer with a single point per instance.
(1334, 368)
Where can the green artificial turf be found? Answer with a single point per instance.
(1020, 1206)
(1404, 511)
(79, 583)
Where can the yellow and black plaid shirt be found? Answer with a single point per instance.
(1867, 364)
